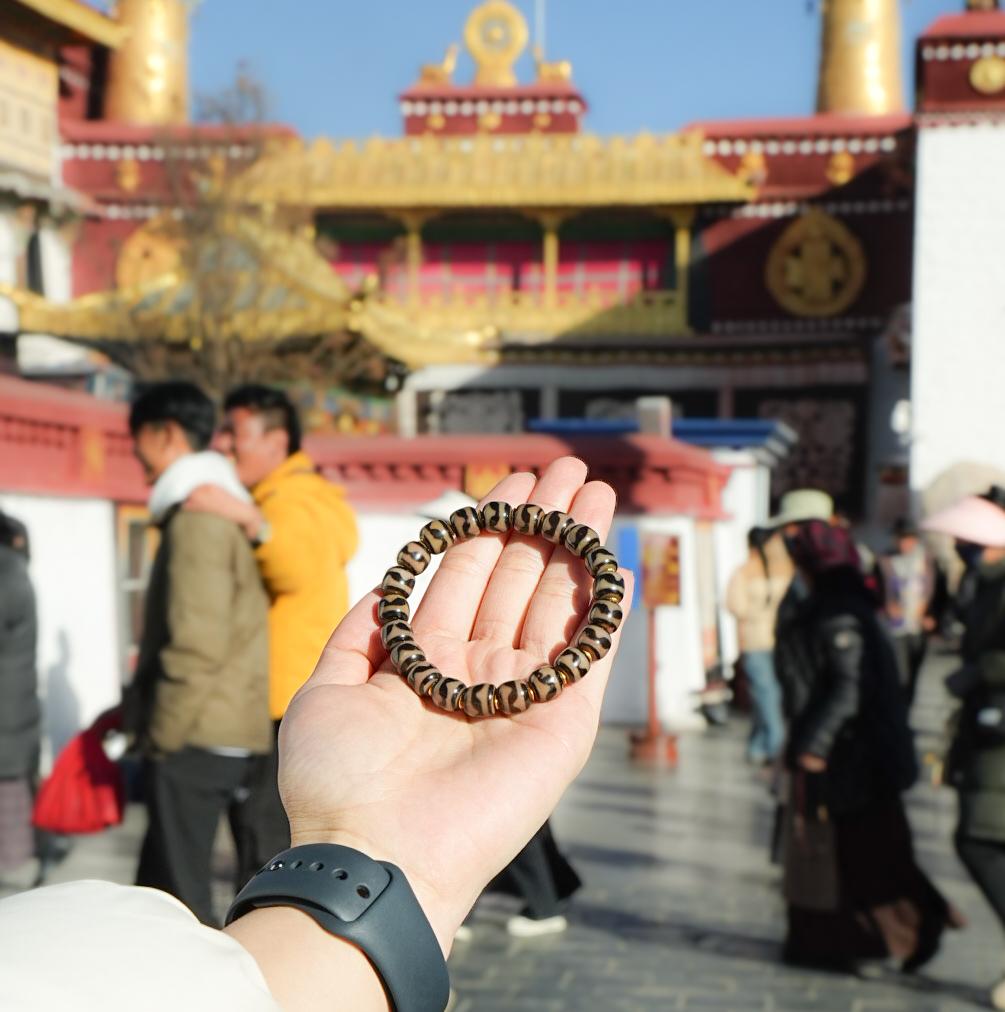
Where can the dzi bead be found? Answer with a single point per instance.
(393, 608)
(436, 536)
(513, 697)
(579, 539)
(554, 525)
(422, 677)
(478, 700)
(609, 587)
(398, 580)
(395, 632)
(527, 519)
(497, 517)
(414, 557)
(572, 664)
(607, 615)
(594, 640)
(546, 683)
(446, 693)
(405, 655)
(465, 523)
(600, 560)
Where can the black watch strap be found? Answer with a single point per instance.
(367, 902)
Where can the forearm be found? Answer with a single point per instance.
(305, 967)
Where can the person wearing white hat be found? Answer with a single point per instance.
(976, 762)
(801, 506)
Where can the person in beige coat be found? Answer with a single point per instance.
(755, 591)
(197, 707)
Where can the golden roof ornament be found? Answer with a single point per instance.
(983, 5)
(496, 34)
(443, 72)
(860, 63)
(148, 73)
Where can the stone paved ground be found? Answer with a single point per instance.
(681, 907)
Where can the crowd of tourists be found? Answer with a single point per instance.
(832, 644)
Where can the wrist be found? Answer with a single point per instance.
(304, 966)
(443, 914)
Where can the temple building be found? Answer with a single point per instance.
(497, 264)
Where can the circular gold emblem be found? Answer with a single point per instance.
(149, 253)
(816, 267)
(496, 34)
(987, 75)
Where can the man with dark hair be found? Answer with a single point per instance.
(197, 704)
(304, 534)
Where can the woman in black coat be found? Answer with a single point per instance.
(20, 718)
(851, 755)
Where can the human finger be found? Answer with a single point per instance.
(523, 560)
(450, 604)
(563, 594)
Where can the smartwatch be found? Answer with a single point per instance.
(366, 902)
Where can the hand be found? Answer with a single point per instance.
(929, 624)
(215, 500)
(812, 763)
(365, 763)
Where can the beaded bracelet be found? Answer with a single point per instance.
(546, 682)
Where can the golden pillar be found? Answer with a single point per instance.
(148, 74)
(682, 219)
(860, 66)
(413, 252)
(551, 222)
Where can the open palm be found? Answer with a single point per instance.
(366, 763)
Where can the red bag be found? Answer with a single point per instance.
(85, 793)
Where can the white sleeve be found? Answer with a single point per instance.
(98, 947)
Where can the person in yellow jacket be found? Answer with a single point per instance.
(304, 534)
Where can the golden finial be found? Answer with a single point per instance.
(496, 34)
(441, 73)
(982, 5)
(860, 67)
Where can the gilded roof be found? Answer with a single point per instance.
(485, 171)
(240, 279)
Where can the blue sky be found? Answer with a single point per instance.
(335, 66)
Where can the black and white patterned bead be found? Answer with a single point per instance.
(414, 557)
(554, 525)
(600, 560)
(594, 640)
(527, 519)
(405, 655)
(446, 693)
(398, 580)
(422, 677)
(478, 700)
(606, 614)
(572, 664)
(579, 539)
(437, 536)
(497, 517)
(546, 683)
(395, 632)
(513, 697)
(465, 523)
(393, 608)
(609, 587)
